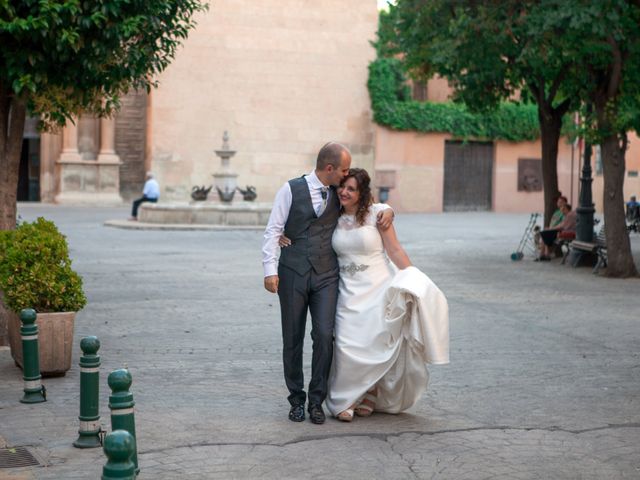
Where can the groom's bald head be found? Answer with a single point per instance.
(333, 163)
(331, 153)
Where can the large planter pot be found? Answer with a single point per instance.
(55, 341)
(4, 320)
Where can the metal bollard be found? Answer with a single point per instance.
(34, 391)
(121, 404)
(119, 446)
(89, 392)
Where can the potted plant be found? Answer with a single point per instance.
(35, 272)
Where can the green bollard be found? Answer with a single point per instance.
(119, 446)
(34, 391)
(89, 391)
(121, 404)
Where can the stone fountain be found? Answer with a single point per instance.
(225, 212)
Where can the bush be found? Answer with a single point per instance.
(393, 108)
(35, 270)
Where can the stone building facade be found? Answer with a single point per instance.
(283, 77)
(431, 172)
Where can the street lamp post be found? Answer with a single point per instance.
(585, 211)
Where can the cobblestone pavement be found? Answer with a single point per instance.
(544, 380)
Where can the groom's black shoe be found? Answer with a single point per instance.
(316, 414)
(296, 414)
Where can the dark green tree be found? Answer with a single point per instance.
(568, 54)
(604, 39)
(490, 51)
(62, 57)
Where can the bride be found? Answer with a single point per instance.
(390, 323)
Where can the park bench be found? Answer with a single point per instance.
(598, 247)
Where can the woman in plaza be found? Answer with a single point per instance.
(547, 237)
(391, 319)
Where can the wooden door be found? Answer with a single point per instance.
(468, 176)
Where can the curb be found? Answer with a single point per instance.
(131, 225)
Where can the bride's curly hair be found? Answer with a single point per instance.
(364, 190)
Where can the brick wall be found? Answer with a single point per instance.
(131, 143)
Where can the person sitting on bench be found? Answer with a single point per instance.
(565, 230)
(558, 216)
(556, 219)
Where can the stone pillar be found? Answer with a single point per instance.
(107, 152)
(70, 151)
(109, 161)
(50, 148)
(90, 182)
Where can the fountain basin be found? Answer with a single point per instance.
(206, 213)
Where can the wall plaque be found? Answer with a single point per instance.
(529, 175)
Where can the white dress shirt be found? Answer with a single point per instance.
(151, 189)
(279, 216)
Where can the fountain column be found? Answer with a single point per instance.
(225, 180)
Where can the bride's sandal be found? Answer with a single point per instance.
(345, 415)
(367, 405)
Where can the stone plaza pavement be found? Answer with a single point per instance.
(544, 380)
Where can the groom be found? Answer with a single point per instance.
(306, 210)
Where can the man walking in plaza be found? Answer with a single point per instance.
(306, 210)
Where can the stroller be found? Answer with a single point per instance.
(528, 240)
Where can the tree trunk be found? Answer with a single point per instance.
(12, 118)
(550, 126)
(619, 258)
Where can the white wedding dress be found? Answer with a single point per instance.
(389, 323)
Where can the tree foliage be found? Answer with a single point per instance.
(491, 52)
(70, 55)
(565, 54)
(604, 38)
(393, 108)
(62, 57)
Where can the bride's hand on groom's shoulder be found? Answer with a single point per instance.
(385, 218)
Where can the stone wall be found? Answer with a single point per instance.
(131, 133)
(282, 76)
(418, 160)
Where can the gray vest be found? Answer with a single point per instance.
(310, 235)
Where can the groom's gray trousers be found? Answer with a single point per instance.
(317, 293)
